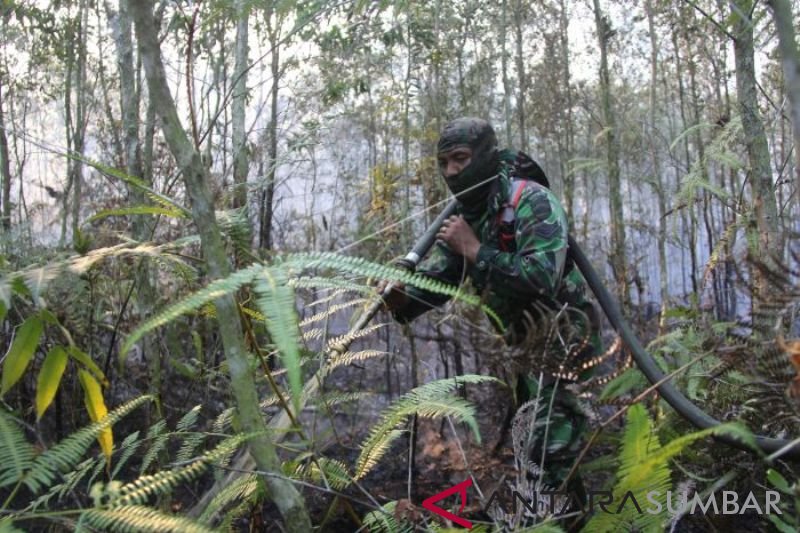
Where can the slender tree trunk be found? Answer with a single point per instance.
(566, 81)
(5, 166)
(508, 119)
(763, 192)
(617, 222)
(268, 194)
(790, 59)
(196, 178)
(658, 178)
(241, 160)
(80, 121)
(522, 81)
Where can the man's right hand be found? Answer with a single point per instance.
(397, 298)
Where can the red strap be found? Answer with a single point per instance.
(520, 185)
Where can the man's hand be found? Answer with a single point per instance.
(458, 235)
(397, 298)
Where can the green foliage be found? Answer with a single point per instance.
(16, 455)
(789, 520)
(644, 467)
(140, 490)
(135, 518)
(277, 303)
(49, 378)
(65, 455)
(431, 400)
(21, 352)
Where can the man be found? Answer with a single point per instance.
(509, 237)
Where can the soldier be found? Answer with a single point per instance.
(509, 237)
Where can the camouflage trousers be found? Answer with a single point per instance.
(556, 437)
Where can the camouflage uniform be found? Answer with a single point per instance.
(535, 268)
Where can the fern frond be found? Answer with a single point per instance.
(16, 454)
(430, 400)
(373, 452)
(348, 358)
(316, 282)
(159, 441)
(240, 490)
(135, 518)
(322, 315)
(275, 299)
(362, 267)
(64, 455)
(336, 398)
(128, 447)
(211, 292)
(325, 299)
(145, 487)
(336, 344)
(188, 420)
(190, 443)
(384, 521)
(325, 472)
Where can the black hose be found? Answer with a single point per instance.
(648, 366)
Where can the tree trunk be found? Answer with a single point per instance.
(762, 189)
(790, 59)
(522, 81)
(241, 160)
(268, 194)
(5, 168)
(80, 122)
(658, 179)
(196, 178)
(617, 221)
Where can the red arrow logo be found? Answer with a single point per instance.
(461, 488)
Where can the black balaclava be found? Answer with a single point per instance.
(478, 135)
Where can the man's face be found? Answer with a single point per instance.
(454, 161)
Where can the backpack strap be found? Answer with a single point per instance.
(506, 216)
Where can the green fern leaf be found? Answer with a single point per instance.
(136, 518)
(430, 400)
(276, 302)
(145, 487)
(241, 490)
(159, 441)
(64, 455)
(16, 454)
(211, 292)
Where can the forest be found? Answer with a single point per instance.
(202, 201)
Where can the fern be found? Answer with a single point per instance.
(276, 301)
(384, 521)
(211, 292)
(322, 315)
(349, 358)
(362, 267)
(145, 487)
(159, 442)
(66, 454)
(240, 490)
(327, 472)
(430, 400)
(16, 454)
(128, 447)
(644, 467)
(135, 518)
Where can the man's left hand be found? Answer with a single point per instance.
(458, 235)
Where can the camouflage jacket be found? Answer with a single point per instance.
(534, 269)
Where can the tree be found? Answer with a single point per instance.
(196, 180)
